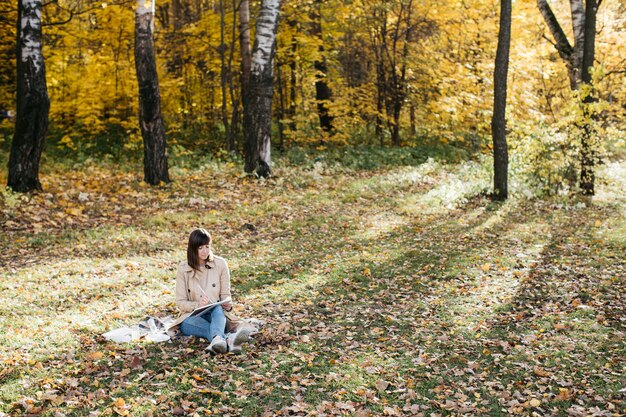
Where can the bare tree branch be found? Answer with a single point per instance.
(62, 22)
(549, 40)
(616, 71)
(623, 71)
(8, 10)
(74, 12)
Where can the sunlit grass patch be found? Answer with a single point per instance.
(380, 223)
(613, 229)
(386, 184)
(47, 310)
(614, 173)
(481, 300)
(449, 192)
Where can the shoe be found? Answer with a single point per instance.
(218, 345)
(234, 340)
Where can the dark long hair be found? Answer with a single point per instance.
(197, 238)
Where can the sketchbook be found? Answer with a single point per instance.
(200, 310)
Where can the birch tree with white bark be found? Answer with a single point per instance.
(258, 112)
(579, 58)
(572, 54)
(33, 103)
(244, 47)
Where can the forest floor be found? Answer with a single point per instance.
(394, 291)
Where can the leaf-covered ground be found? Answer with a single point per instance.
(397, 291)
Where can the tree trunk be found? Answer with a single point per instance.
(258, 115)
(234, 124)
(244, 47)
(588, 155)
(498, 121)
(246, 54)
(224, 75)
(322, 90)
(33, 103)
(394, 32)
(395, 129)
(281, 105)
(399, 85)
(578, 26)
(152, 129)
(293, 82)
(380, 97)
(412, 119)
(174, 40)
(379, 43)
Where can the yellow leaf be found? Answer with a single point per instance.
(94, 356)
(486, 267)
(119, 402)
(563, 394)
(535, 402)
(74, 211)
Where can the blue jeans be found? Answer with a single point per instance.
(209, 324)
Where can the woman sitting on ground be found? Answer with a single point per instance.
(201, 280)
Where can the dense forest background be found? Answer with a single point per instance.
(393, 72)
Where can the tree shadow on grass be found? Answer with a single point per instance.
(364, 307)
(568, 305)
(576, 270)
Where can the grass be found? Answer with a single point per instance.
(386, 290)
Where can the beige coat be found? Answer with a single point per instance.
(191, 284)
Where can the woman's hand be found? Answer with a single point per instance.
(227, 306)
(204, 300)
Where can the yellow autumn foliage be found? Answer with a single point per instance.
(93, 89)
